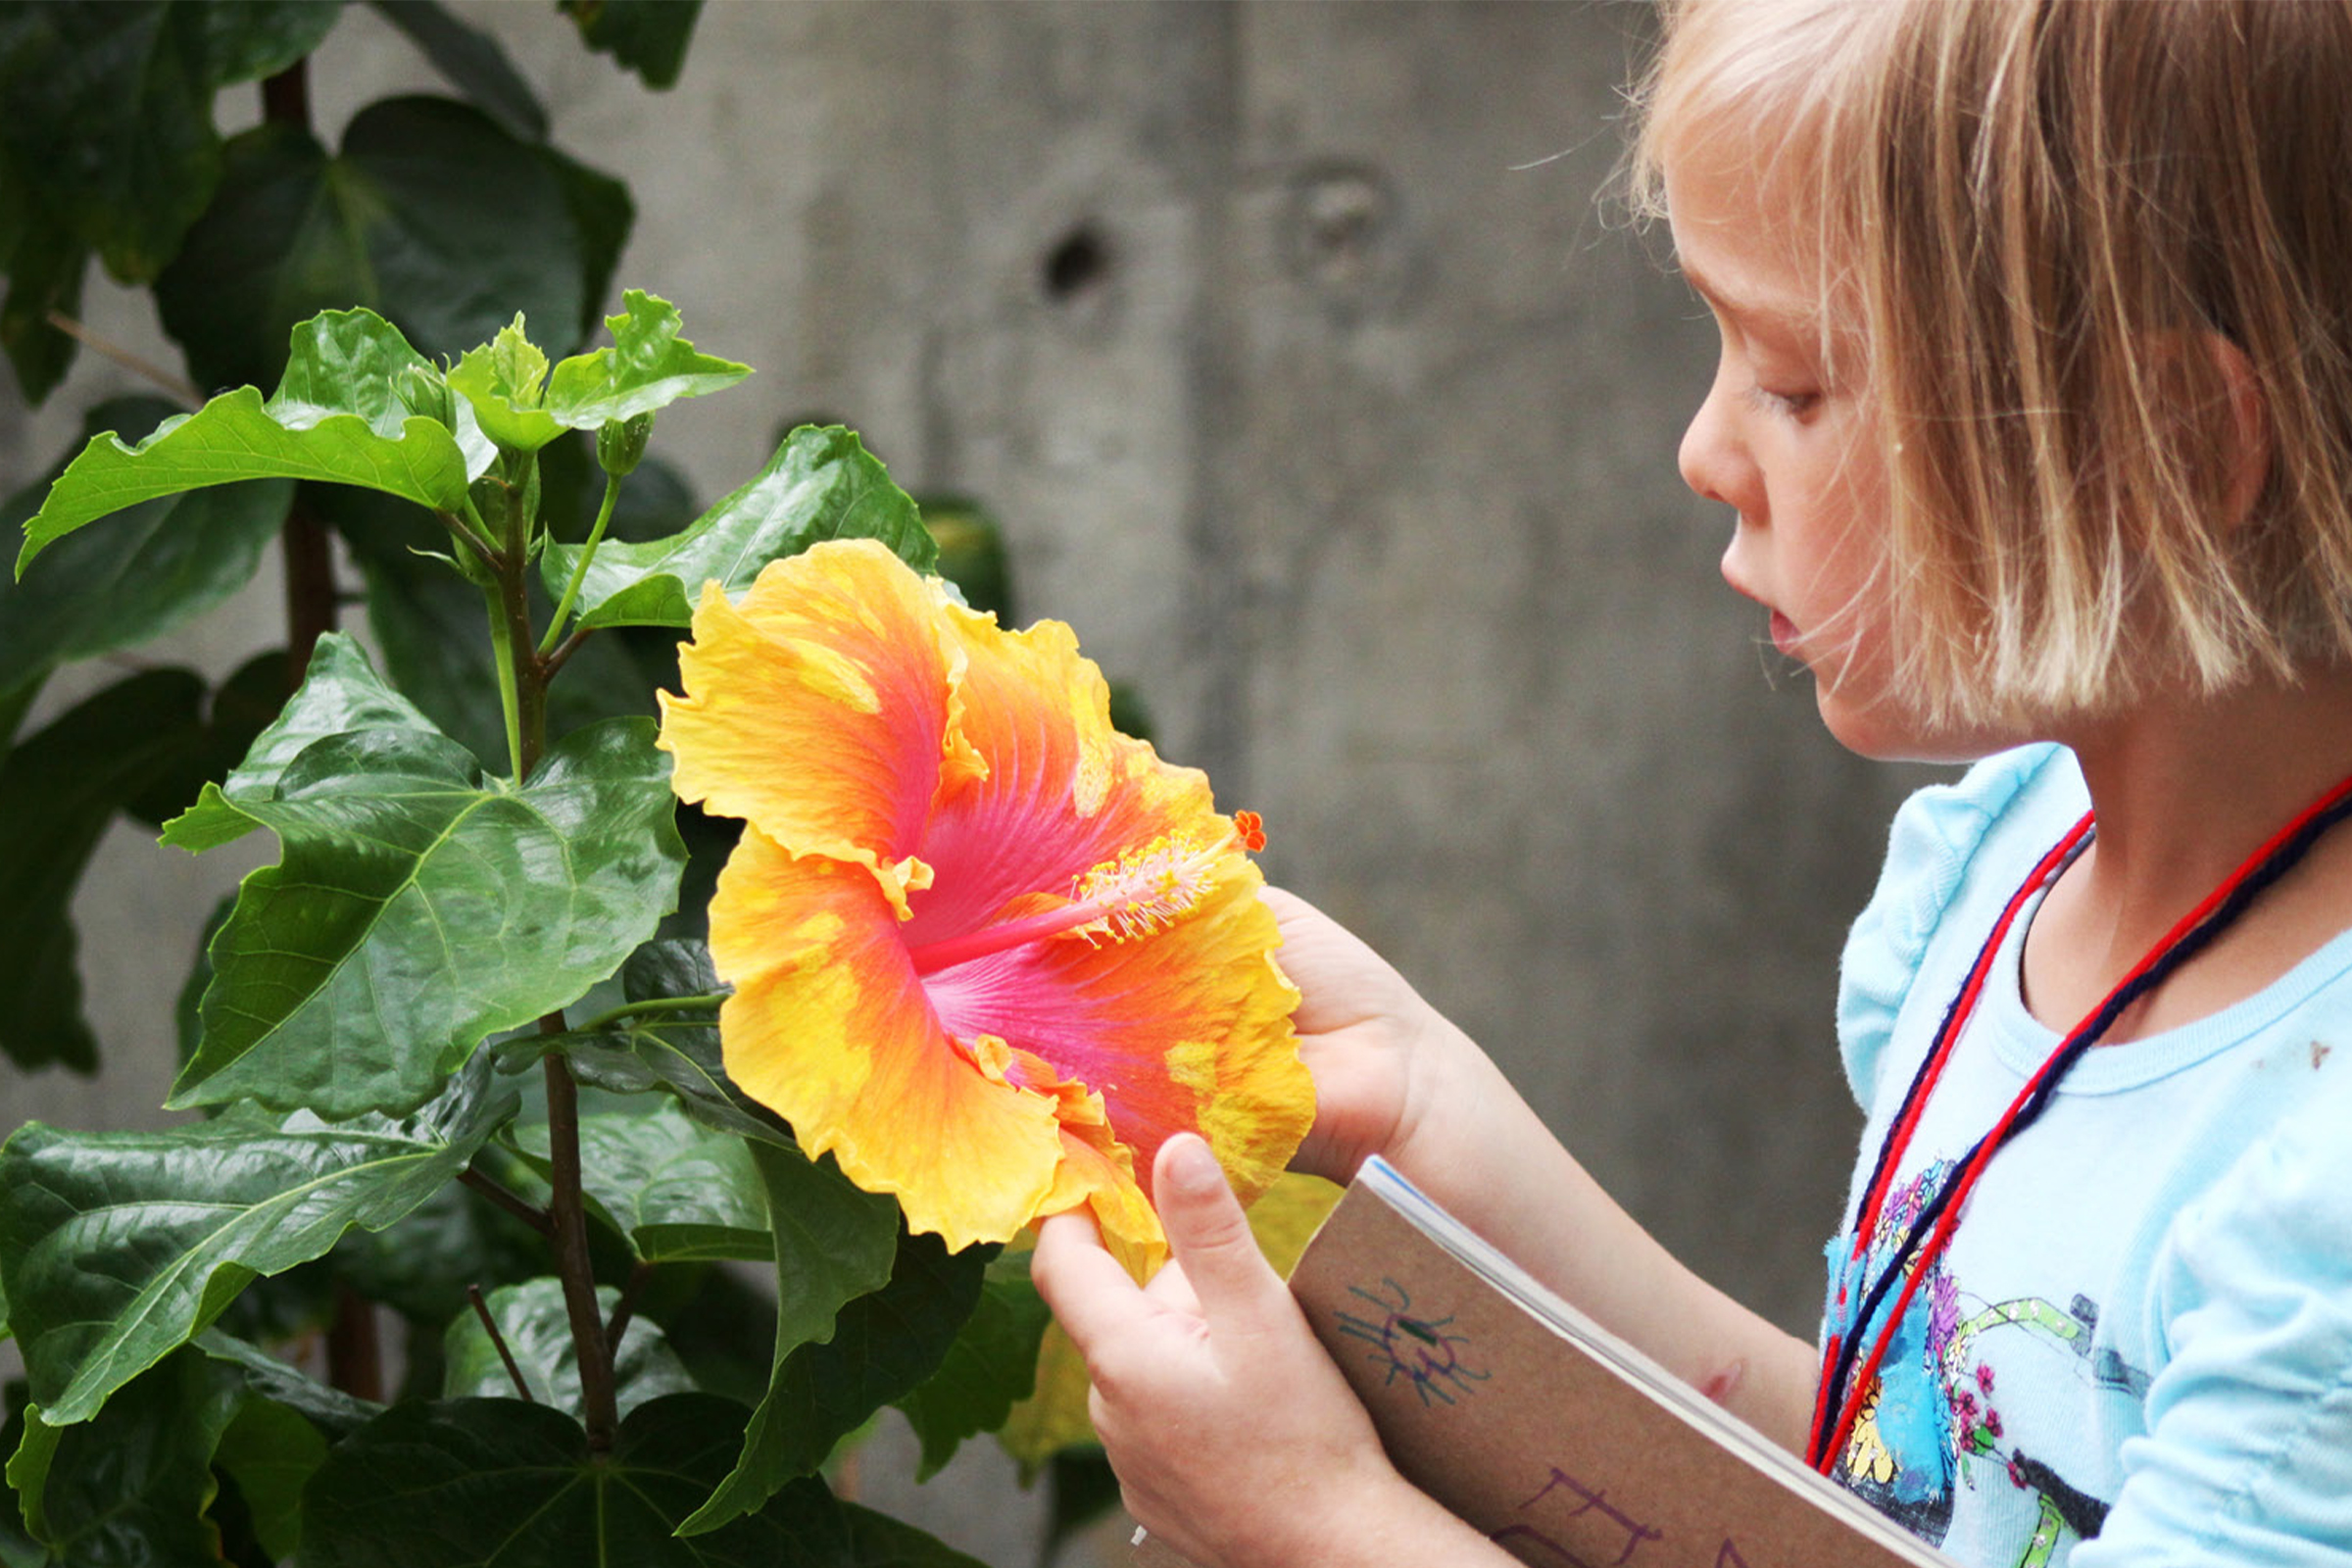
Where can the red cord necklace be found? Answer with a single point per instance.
(1846, 1376)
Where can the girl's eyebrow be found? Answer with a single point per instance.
(1726, 301)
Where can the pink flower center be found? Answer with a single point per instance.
(1120, 900)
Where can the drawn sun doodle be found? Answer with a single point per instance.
(1416, 1348)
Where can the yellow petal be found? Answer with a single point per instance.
(822, 708)
(830, 1027)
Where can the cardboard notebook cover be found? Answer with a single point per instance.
(1564, 1445)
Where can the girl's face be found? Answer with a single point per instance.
(1791, 446)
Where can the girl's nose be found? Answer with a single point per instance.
(1709, 457)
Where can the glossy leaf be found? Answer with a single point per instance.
(534, 1498)
(820, 484)
(990, 1367)
(421, 1267)
(677, 1191)
(883, 1346)
(429, 636)
(340, 695)
(419, 908)
(676, 1051)
(471, 61)
(836, 1246)
(333, 1412)
(110, 114)
(271, 1452)
(119, 1247)
(531, 1319)
(334, 417)
(59, 790)
(647, 36)
(246, 40)
(139, 572)
(46, 268)
(506, 382)
(647, 367)
(131, 1486)
(428, 214)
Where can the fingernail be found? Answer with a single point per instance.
(1193, 1169)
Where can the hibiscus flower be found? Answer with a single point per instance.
(986, 951)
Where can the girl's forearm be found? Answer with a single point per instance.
(1475, 1146)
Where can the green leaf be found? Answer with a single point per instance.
(506, 380)
(820, 484)
(118, 1246)
(647, 36)
(430, 214)
(46, 268)
(471, 61)
(271, 1452)
(678, 1191)
(991, 1366)
(418, 908)
(334, 1413)
(59, 790)
(533, 1498)
(427, 623)
(136, 574)
(647, 367)
(677, 1051)
(421, 1265)
(110, 115)
(340, 695)
(532, 1319)
(249, 39)
(334, 417)
(882, 1347)
(131, 1486)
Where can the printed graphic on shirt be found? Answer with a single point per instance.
(1931, 1426)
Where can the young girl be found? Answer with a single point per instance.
(2035, 408)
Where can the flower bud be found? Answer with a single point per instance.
(620, 443)
(424, 393)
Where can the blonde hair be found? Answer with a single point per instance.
(2065, 229)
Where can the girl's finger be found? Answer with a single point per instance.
(1210, 1237)
(1090, 1294)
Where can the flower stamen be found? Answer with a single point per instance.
(1120, 900)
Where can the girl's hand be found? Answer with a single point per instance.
(1235, 1438)
(1380, 1054)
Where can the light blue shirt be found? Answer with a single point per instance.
(2142, 1333)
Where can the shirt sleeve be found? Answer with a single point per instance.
(2247, 1459)
(1935, 833)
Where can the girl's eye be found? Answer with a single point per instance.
(1783, 404)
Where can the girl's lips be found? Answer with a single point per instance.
(1783, 634)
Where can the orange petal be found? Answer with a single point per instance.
(1188, 1029)
(830, 1028)
(1059, 790)
(822, 708)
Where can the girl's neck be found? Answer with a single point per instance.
(2185, 791)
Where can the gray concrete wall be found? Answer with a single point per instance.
(1352, 448)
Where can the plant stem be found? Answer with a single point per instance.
(579, 567)
(598, 1395)
(498, 1342)
(630, 1009)
(522, 688)
(510, 697)
(504, 1197)
(624, 1311)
